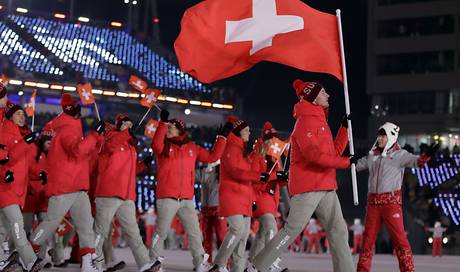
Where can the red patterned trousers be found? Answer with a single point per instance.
(385, 209)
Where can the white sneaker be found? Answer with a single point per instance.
(89, 263)
(11, 263)
(154, 266)
(204, 265)
(216, 268)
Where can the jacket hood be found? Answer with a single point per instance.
(64, 120)
(305, 108)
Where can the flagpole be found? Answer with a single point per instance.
(33, 120)
(97, 110)
(143, 118)
(287, 158)
(347, 109)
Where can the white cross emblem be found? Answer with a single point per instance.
(262, 27)
(86, 94)
(61, 228)
(151, 129)
(276, 148)
(138, 84)
(151, 98)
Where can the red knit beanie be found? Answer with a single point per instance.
(238, 125)
(3, 90)
(120, 118)
(307, 90)
(179, 124)
(268, 131)
(70, 105)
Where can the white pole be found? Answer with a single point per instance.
(347, 109)
(33, 108)
(143, 118)
(97, 111)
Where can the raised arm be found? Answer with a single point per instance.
(216, 152)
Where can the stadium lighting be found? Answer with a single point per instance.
(59, 15)
(430, 240)
(206, 104)
(22, 10)
(15, 82)
(219, 106)
(126, 1)
(156, 20)
(83, 19)
(30, 84)
(116, 24)
(182, 101)
(1, 7)
(171, 99)
(135, 2)
(445, 240)
(70, 88)
(194, 102)
(56, 87)
(187, 111)
(20, 93)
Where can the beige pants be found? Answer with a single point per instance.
(234, 243)
(11, 222)
(125, 210)
(266, 232)
(167, 208)
(80, 210)
(327, 208)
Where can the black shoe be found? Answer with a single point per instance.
(10, 264)
(47, 265)
(37, 266)
(118, 266)
(156, 267)
(214, 268)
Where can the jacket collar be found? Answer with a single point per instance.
(232, 139)
(306, 109)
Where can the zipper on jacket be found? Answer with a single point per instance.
(377, 177)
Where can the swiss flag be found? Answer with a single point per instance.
(86, 93)
(150, 98)
(219, 38)
(64, 227)
(277, 148)
(151, 128)
(137, 83)
(30, 107)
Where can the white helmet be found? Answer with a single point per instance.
(357, 221)
(392, 132)
(437, 224)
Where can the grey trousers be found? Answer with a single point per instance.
(80, 210)
(11, 222)
(327, 208)
(125, 210)
(28, 224)
(266, 232)
(234, 243)
(167, 208)
(59, 244)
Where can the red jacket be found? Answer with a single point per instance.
(267, 202)
(176, 171)
(15, 192)
(237, 173)
(315, 156)
(117, 167)
(36, 199)
(68, 156)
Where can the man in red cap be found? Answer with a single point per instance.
(68, 180)
(176, 157)
(116, 191)
(315, 156)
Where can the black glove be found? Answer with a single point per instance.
(282, 176)
(226, 129)
(164, 115)
(44, 177)
(344, 122)
(100, 127)
(254, 206)
(433, 148)
(354, 159)
(148, 160)
(2, 146)
(30, 138)
(5, 161)
(264, 177)
(9, 176)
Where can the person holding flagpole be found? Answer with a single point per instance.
(267, 194)
(315, 156)
(176, 156)
(68, 180)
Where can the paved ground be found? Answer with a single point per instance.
(181, 261)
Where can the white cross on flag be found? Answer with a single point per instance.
(220, 38)
(137, 83)
(64, 227)
(277, 148)
(85, 91)
(150, 98)
(151, 128)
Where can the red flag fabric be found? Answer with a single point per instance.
(151, 128)
(150, 98)
(137, 83)
(30, 107)
(86, 93)
(64, 227)
(276, 148)
(219, 38)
